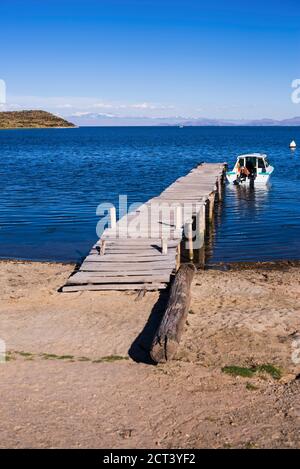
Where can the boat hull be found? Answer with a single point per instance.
(261, 178)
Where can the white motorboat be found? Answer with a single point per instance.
(252, 168)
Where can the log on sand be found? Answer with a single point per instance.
(167, 337)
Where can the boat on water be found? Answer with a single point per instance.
(252, 168)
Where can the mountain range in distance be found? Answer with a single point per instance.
(39, 119)
(294, 121)
(99, 119)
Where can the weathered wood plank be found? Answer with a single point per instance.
(89, 278)
(128, 258)
(117, 266)
(129, 273)
(140, 286)
(137, 252)
(137, 243)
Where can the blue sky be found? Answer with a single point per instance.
(155, 58)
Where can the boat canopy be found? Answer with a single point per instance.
(254, 160)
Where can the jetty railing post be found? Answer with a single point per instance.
(113, 218)
(225, 169)
(202, 223)
(211, 205)
(220, 186)
(189, 235)
(199, 252)
(178, 217)
(178, 257)
(164, 244)
(178, 226)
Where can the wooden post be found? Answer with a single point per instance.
(199, 252)
(178, 217)
(201, 258)
(211, 205)
(168, 335)
(225, 169)
(220, 195)
(202, 224)
(113, 218)
(189, 235)
(178, 257)
(164, 245)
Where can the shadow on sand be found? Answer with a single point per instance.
(140, 348)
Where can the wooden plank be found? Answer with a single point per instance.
(184, 198)
(119, 267)
(128, 250)
(128, 258)
(140, 286)
(145, 234)
(141, 251)
(88, 278)
(138, 252)
(146, 272)
(136, 243)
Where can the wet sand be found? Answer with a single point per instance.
(78, 374)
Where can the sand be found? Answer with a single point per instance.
(78, 374)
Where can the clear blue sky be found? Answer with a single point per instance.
(152, 57)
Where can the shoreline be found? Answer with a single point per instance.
(30, 261)
(242, 265)
(218, 266)
(39, 128)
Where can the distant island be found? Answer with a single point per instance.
(31, 120)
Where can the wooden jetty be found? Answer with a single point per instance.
(143, 249)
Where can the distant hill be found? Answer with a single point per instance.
(100, 119)
(293, 121)
(31, 119)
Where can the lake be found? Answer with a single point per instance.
(52, 181)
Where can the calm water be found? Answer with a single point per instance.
(52, 181)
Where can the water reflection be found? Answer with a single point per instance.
(247, 202)
(250, 227)
(249, 196)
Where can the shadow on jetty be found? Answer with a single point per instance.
(140, 348)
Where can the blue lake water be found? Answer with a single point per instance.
(53, 180)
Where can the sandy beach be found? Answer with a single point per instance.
(78, 375)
